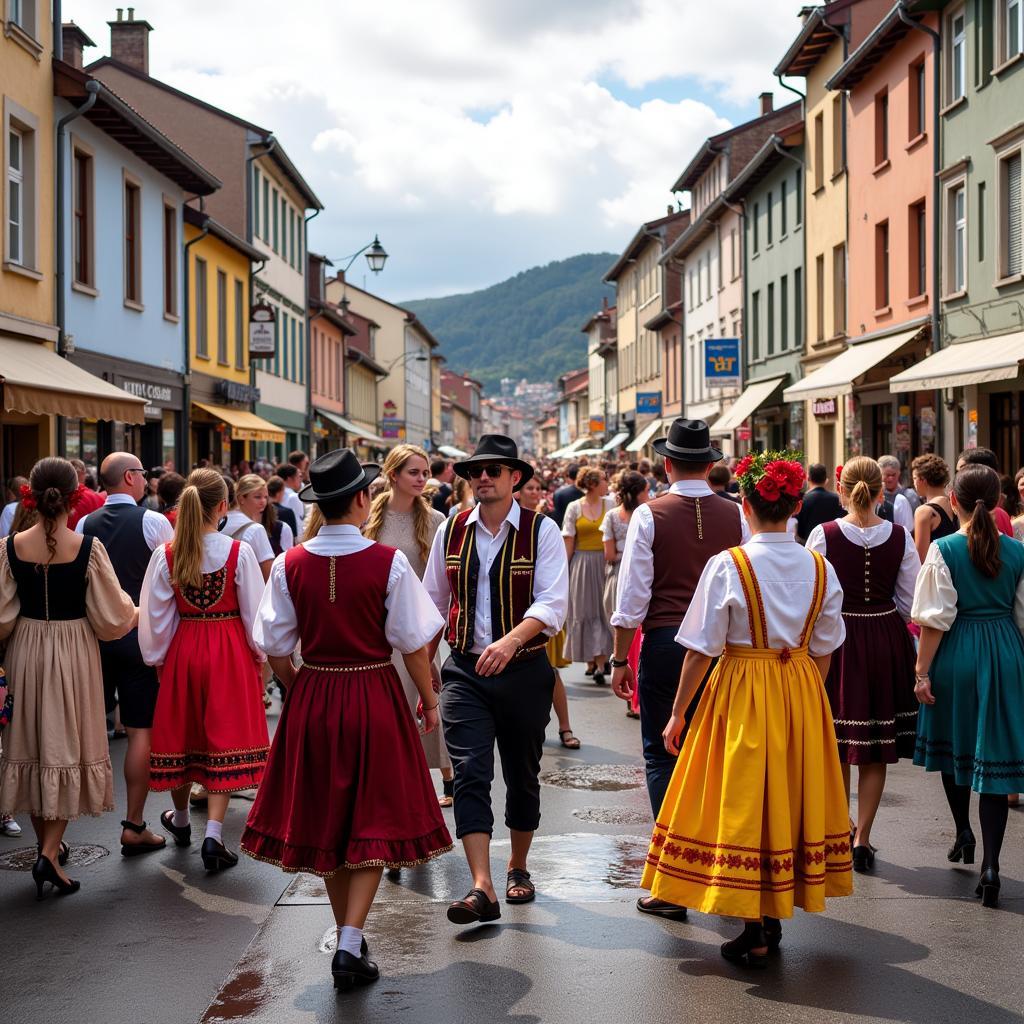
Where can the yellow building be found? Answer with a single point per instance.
(221, 393)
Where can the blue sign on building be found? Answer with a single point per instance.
(722, 361)
(648, 403)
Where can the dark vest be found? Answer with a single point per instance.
(511, 580)
(688, 532)
(119, 528)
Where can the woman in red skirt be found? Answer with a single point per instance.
(198, 605)
(347, 791)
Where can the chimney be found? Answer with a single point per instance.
(74, 41)
(129, 40)
(767, 101)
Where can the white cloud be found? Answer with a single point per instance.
(472, 134)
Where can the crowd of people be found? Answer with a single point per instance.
(770, 629)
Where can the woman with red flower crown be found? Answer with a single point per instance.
(754, 820)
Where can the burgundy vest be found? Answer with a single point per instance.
(867, 575)
(688, 532)
(511, 580)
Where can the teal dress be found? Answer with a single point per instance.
(975, 729)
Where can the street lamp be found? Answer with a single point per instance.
(376, 257)
(419, 357)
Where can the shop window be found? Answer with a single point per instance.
(82, 238)
(881, 427)
(132, 243)
(202, 324)
(1004, 429)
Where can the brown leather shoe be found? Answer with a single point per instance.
(476, 908)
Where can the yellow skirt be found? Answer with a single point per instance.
(755, 818)
(555, 646)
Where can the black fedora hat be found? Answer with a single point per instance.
(496, 448)
(337, 474)
(687, 441)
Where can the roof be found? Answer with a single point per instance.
(722, 142)
(640, 240)
(414, 321)
(125, 125)
(766, 158)
(875, 48)
(665, 317)
(449, 374)
(330, 312)
(698, 230)
(815, 39)
(604, 315)
(278, 155)
(201, 220)
(358, 356)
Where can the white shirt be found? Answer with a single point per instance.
(550, 575)
(158, 610)
(287, 537)
(241, 527)
(7, 517)
(903, 514)
(636, 568)
(785, 575)
(156, 527)
(873, 537)
(291, 500)
(411, 622)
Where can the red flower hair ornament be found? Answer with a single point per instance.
(26, 496)
(29, 501)
(772, 475)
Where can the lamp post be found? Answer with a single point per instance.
(376, 257)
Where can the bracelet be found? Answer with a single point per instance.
(921, 675)
(432, 707)
(618, 664)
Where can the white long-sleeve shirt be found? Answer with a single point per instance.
(636, 568)
(241, 527)
(156, 527)
(292, 501)
(158, 609)
(411, 622)
(550, 575)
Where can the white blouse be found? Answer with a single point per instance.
(935, 596)
(786, 576)
(574, 510)
(253, 534)
(411, 619)
(873, 537)
(158, 610)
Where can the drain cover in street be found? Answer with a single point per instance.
(613, 815)
(24, 857)
(606, 777)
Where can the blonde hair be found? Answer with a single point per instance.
(203, 492)
(247, 485)
(422, 520)
(313, 522)
(861, 480)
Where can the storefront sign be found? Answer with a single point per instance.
(743, 433)
(392, 428)
(262, 331)
(901, 433)
(722, 361)
(232, 391)
(823, 407)
(151, 392)
(597, 424)
(971, 438)
(648, 403)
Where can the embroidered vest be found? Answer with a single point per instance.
(511, 580)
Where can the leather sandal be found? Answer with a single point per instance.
(519, 878)
(137, 849)
(568, 739)
(476, 908)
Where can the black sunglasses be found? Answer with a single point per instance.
(139, 469)
(493, 471)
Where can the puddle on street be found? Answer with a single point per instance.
(24, 857)
(255, 983)
(613, 815)
(607, 778)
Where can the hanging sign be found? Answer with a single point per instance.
(648, 403)
(722, 361)
(262, 331)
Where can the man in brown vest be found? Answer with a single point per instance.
(669, 542)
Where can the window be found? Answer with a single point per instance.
(839, 290)
(882, 265)
(300, 252)
(275, 239)
(733, 255)
(956, 59)
(783, 213)
(222, 318)
(82, 228)
(1011, 31)
(285, 354)
(798, 307)
(283, 251)
(819, 294)
(1012, 248)
(838, 119)
(958, 238)
(302, 352)
(881, 127)
(918, 108)
(291, 237)
(770, 214)
(784, 312)
(15, 196)
(239, 325)
(798, 215)
(255, 201)
(202, 327)
(266, 210)
(170, 260)
(917, 236)
(980, 218)
(132, 243)
(819, 151)
(755, 325)
(757, 228)
(18, 200)
(23, 14)
(771, 319)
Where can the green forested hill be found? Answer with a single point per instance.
(527, 326)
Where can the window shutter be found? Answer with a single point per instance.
(1014, 248)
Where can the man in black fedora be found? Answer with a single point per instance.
(669, 542)
(498, 575)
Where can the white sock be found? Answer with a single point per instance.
(214, 830)
(179, 819)
(350, 939)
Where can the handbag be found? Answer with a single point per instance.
(6, 701)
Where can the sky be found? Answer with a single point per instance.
(477, 138)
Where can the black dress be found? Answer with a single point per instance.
(948, 525)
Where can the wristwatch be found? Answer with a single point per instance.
(624, 663)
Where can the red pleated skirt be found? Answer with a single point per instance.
(346, 785)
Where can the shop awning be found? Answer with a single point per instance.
(640, 441)
(754, 395)
(245, 426)
(969, 362)
(451, 452)
(838, 376)
(571, 448)
(38, 381)
(616, 441)
(354, 428)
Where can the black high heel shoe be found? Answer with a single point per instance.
(216, 856)
(773, 933)
(963, 848)
(988, 888)
(740, 949)
(62, 854)
(43, 871)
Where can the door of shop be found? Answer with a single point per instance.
(1004, 429)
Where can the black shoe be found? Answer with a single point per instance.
(394, 874)
(43, 871)
(863, 858)
(349, 971)
(988, 888)
(182, 834)
(738, 950)
(62, 854)
(660, 908)
(773, 933)
(963, 848)
(216, 856)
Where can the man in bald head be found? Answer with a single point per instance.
(130, 534)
